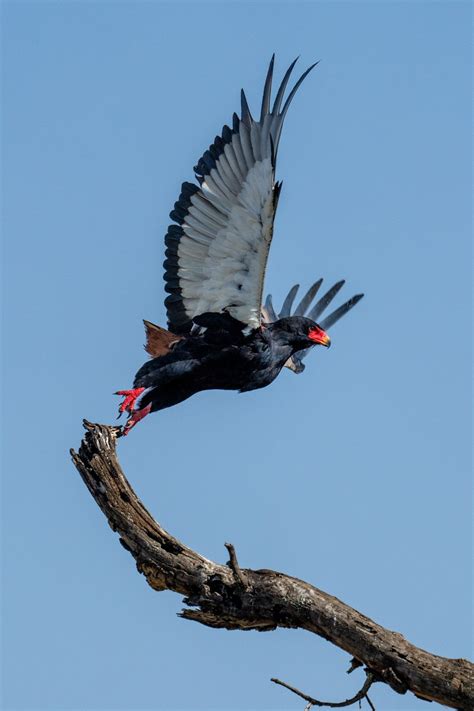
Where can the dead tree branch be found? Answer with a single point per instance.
(361, 694)
(234, 565)
(234, 598)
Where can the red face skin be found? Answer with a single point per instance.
(317, 335)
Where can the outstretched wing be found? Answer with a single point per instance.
(217, 253)
(304, 308)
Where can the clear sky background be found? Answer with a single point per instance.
(354, 476)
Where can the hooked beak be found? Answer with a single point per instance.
(317, 335)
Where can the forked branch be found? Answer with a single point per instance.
(229, 597)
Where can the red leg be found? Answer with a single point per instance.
(130, 397)
(135, 417)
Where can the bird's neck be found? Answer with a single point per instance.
(281, 348)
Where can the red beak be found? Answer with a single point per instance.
(317, 335)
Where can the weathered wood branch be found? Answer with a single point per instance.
(361, 694)
(229, 597)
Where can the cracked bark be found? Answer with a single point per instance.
(233, 598)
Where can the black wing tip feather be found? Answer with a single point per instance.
(334, 316)
(355, 300)
(267, 90)
(305, 308)
(281, 89)
(246, 116)
(178, 320)
(292, 93)
(208, 160)
(335, 289)
(325, 300)
(183, 203)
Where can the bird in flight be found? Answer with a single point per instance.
(220, 335)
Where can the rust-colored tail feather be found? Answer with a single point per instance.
(159, 341)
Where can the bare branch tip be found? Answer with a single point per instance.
(233, 564)
(361, 694)
(370, 702)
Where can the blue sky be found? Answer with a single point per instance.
(354, 476)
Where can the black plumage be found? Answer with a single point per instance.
(221, 357)
(220, 335)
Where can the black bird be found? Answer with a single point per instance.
(220, 336)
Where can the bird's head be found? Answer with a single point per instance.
(299, 332)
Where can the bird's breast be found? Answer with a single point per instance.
(238, 368)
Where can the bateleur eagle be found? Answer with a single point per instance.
(219, 334)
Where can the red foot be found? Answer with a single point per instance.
(128, 405)
(134, 418)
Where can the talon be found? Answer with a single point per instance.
(135, 417)
(130, 397)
